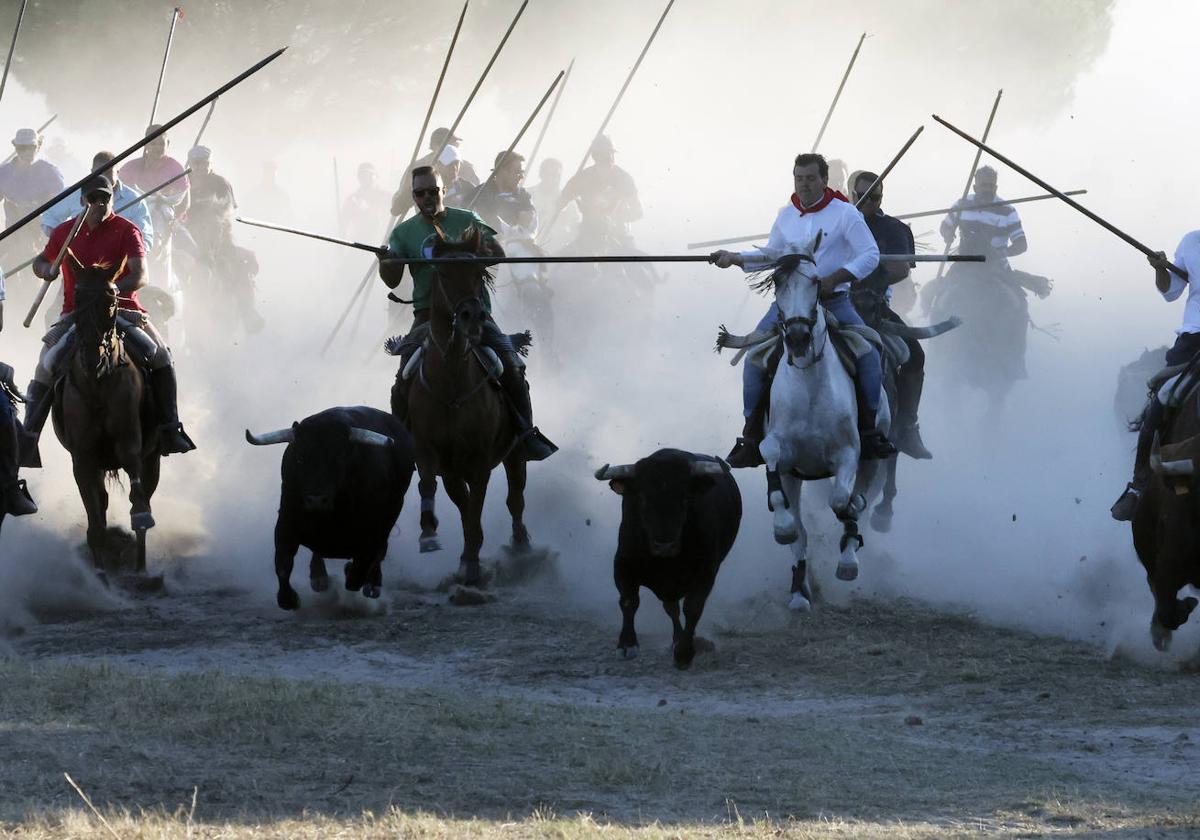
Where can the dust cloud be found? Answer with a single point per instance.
(1009, 521)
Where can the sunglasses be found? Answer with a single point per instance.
(428, 191)
(98, 198)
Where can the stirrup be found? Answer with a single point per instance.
(537, 446)
(23, 504)
(1126, 506)
(173, 440)
(745, 454)
(874, 445)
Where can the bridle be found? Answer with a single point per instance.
(470, 345)
(811, 321)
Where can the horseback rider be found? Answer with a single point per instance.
(14, 495)
(402, 200)
(846, 253)
(1186, 346)
(502, 202)
(170, 203)
(123, 195)
(995, 232)
(103, 239)
(25, 182)
(459, 188)
(894, 237)
(410, 239)
(608, 202)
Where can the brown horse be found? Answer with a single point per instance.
(1166, 526)
(103, 413)
(460, 422)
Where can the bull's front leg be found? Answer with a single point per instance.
(630, 599)
(688, 642)
(286, 546)
(318, 575)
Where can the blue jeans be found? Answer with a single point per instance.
(870, 370)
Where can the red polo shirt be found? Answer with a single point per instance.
(113, 240)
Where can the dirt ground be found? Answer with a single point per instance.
(516, 718)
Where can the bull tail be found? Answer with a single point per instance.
(920, 333)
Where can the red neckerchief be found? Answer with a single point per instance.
(830, 195)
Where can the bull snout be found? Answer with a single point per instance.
(318, 502)
(660, 548)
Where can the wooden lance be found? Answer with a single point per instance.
(62, 252)
(162, 72)
(838, 95)
(537, 145)
(12, 47)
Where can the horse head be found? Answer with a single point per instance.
(801, 319)
(460, 288)
(95, 306)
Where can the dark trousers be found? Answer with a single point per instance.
(1186, 345)
(9, 443)
(910, 379)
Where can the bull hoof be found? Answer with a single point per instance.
(847, 570)
(630, 652)
(287, 599)
(430, 544)
(102, 576)
(370, 590)
(799, 603)
(881, 522)
(1161, 637)
(319, 584)
(143, 521)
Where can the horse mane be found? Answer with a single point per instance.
(767, 280)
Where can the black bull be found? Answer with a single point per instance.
(345, 472)
(680, 515)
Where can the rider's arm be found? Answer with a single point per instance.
(391, 272)
(1018, 245)
(755, 259)
(949, 226)
(865, 250)
(135, 275)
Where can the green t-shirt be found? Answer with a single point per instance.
(408, 240)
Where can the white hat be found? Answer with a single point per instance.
(25, 137)
(448, 156)
(199, 153)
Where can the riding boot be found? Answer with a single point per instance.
(38, 403)
(909, 385)
(533, 443)
(172, 439)
(745, 452)
(874, 444)
(1125, 507)
(14, 495)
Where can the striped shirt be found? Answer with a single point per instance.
(988, 231)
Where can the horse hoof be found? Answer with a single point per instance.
(847, 571)
(881, 522)
(430, 544)
(319, 584)
(1161, 637)
(370, 590)
(143, 521)
(799, 603)
(630, 652)
(287, 599)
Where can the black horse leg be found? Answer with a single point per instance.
(516, 470)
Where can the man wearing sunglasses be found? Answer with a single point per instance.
(103, 239)
(413, 238)
(893, 237)
(847, 253)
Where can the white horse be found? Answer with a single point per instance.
(812, 432)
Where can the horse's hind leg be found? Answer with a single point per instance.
(427, 487)
(881, 516)
(516, 470)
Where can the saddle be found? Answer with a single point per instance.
(414, 343)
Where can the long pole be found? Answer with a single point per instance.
(337, 194)
(838, 95)
(986, 205)
(62, 252)
(116, 212)
(504, 157)
(149, 138)
(887, 169)
(549, 117)
(162, 72)
(400, 208)
(620, 95)
(971, 174)
(12, 47)
(1111, 228)
(204, 125)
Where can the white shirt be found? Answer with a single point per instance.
(846, 241)
(1187, 257)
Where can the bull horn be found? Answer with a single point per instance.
(281, 436)
(368, 437)
(611, 473)
(708, 468)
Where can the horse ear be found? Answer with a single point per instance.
(76, 265)
(112, 278)
(472, 237)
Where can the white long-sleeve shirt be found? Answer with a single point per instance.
(1187, 257)
(846, 241)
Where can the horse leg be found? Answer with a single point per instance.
(784, 522)
(151, 470)
(468, 567)
(91, 490)
(427, 487)
(459, 493)
(318, 575)
(881, 516)
(801, 594)
(129, 456)
(516, 470)
(847, 503)
(1170, 575)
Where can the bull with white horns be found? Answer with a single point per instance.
(345, 473)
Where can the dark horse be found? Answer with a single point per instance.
(461, 425)
(103, 413)
(1166, 526)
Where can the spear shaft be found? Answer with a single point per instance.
(986, 206)
(974, 165)
(1110, 227)
(162, 72)
(41, 295)
(838, 95)
(549, 117)
(204, 125)
(887, 169)
(12, 47)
